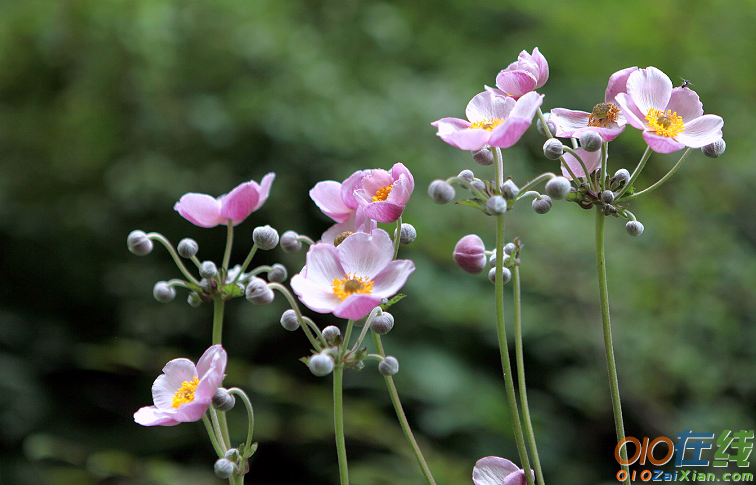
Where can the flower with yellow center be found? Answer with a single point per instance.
(350, 284)
(383, 194)
(185, 393)
(667, 124)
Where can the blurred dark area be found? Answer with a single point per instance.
(111, 110)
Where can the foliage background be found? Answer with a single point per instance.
(111, 110)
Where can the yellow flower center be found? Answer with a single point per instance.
(382, 193)
(349, 284)
(602, 114)
(185, 393)
(667, 124)
(489, 124)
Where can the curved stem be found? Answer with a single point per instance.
(338, 422)
(229, 243)
(663, 179)
(636, 172)
(250, 418)
(156, 236)
(607, 327)
(303, 322)
(213, 435)
(397, 234)
(246, 262)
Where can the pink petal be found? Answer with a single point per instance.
(366, 255)
(316, 296)
(701, 131)
(508, 133)
(686, 104)
(527, 106)
(323, 265)
(399, 170)
(618, 84)
(351, 184)
(649, 88)
(516, 83)
(543, 67)
(661, 144)
(567, 121)
(492, 470)
(327, 196)
(238, 204)
(210, 369)
(592, 161)
(456, 132)
(200, 209)
(374, 181)
(487, 106)
(152, 416)
(631, 112)
(384, 211)
(356, 306)
(265, 185)
(193, 411)
(175, 373)
(392, 278)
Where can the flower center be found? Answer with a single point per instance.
(185, 393)
(340, 238)
(488, 124)
(349, 284)
(602, 114)
(382, 193)
(667, 124)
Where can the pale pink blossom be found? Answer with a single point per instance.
(337, 201)
(493, 470)
(384, 194)
(591, 160)
(351, 279)
(671, 118)
(206, 211)
(184, 392)
(526, 74)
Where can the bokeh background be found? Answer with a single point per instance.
(111, 110)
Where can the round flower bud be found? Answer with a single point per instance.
(466, 175)
(621, 177)
(607, 197)
(478, 184)
(332, 335)
(496, 205)
(257, 292)
(321, 364)
(506, 275)
(388, 366)
(278, 273)
(483, 157)
(553, 149)
(224, 468)
(222, 400)
(407, 234)
(208, 270)
(187, 248)
(194, 300)
(382, 324)
(608, 210)
(509, 248)
(550, 124)
(713, 150)
(231, 454)
(542, 205)
(469, 253)
(138, 243)
(558, 188)
(265, 237)
(591, 141)
(509, 189)
(163, 292)
(441, 192)
(290, 242)
(289, 320)
(634, 228)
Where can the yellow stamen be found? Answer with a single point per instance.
(382, 193)
(489, 124)
(667, 124)
(349, 284)
(186, 393)
(602, 114)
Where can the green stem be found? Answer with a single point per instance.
(663, 179)
(636, 172)
(338, 422)
(607, 327)
(250, 417)
(397, 234)
(604, 164)
(213, 436)
(403, 418)
(218, 307)
(303, 322)
(229, 243)
(156, 236)
(246, 262)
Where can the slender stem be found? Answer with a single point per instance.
(636, 172)
(608, 347)
(246, 262)
(222, 429)
(587, 177)
(528, 424)
(338, 422)
(218, 307)
(303, 322)
(250, 417)
(663, 179)
(213, 435)
(156, 236)
(604, 164)
(397, 234)
(229, 243)
(347, 335)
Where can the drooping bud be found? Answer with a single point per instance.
(163, 292)
(542, 205)
(558, 188)
(187, 248)
(258, 292)
(382, 324)
(714, 150)
(469, 254)
(208, 270)
(483, 157)
(289, 320)
(138, 243)
(550, 124)
(509, 189)
(441, 192)
(321, 364)
(591, 141)
(466, 175)
(621, 177)
(278, 273)
(224, 468)
(607, 197)
(496, 205)
(290, 242)
(265, 237)
(634, 228)
(407, 234)
(553, 149)
(388, 366)
(478, 184)
(506, 275)
(193, 300)
(222, 400)
(332, 335)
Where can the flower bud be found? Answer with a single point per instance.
(496, 205)
(290, 242)
(714, 150)
(208, 270)
(193, 300)
(224, 468)
(634, 228)
(163, 292)
(289, 320)
(506, 275)
(542, 205)
(608, 210)
(441, 192)
(478, 184)
(222, 400)
(621, 177)
(591, 141)
(257, 291)
(509, 248)
(466, 175)
(607, 197)
(509, 189)
(388, 366)
(278, 273)
(382, 324)
(469, 253)
(550, 124)
(332, 335)
(553, 149)
(231, 454)
(138, 243)
(187, 248)
(558, 188)
(265, 237)
(321, 364)
(407, 234)
(483, 157)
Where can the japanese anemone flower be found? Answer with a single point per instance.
(527, 73)
(493, 470)
(337, 200)
(384, 194)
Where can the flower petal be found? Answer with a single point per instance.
(567, 121)
(356, 306)
(264, 190)
(649, 88)
(238, 204)
(384, 211)
(592, 161)
(492, 470)
(322, 264)
(327, 196)
(152, 416)
(316, 297)
(348, 187)
(516, 83)
(618, 83)
(631, 112)
(662, 144)
(364, 254)
(392, 278)
(702, 131)
(200, 209)
(508, 133)
(686, 104)
(175, 373)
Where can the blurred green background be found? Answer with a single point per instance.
(111, 110)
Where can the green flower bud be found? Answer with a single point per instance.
(290, 242)
(278, 273)
(388, 366)
(496, 205)
(382, 324)
(222, 400)
(714, 150)
(289, 320)
(542, 205)
(483, 157)
(208, 270)
(193, 300)
(591, 141)
(187, 248)
(506, 275)
(163, 292)
(634, 228)
(321, 364)
(558, 188)
(138, 243)
(407, 234)
(441, 192)
(265, 237)
(553, 149)
(224, 468)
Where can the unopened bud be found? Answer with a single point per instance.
(388, 366)
(607, 197)
(278, 273)
(496, 205)
(163, 292)
(407, 234)
(509, 189)
(591, 141)
(332, 335)
(382, 324)
(289, 320)
(224, 468)
(469, 254)
(542, 205)
(553, 149)
(222, 400)
(714, 150)
(321, 364)
(187, 248)
(509, 248)
(478, 184)
(506, 275)
(265, 237)
(138, 243)
(231, 454)
(208, 270)
(558, 188)
(193, 300)
(258, 292)
(621, 177)
(550, 124)
(441, 192)
(290, 242)
(609, 209)
(466, 175)
(634, 228)
(483, 157)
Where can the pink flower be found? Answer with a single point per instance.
(493, 470)
(337, 201)
(606, 118)
(526, 74)
(351, 279)
(671, 118)
(206, 211)
(592, 161)
(469, 254)
(184, 392)
(494, 120)
(384, 194)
